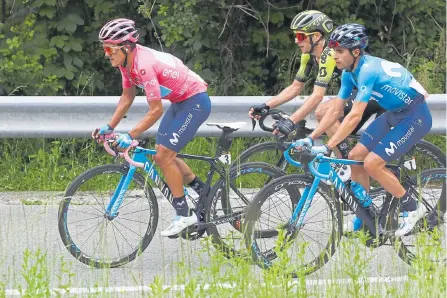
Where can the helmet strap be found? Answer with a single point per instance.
(125, 59)
(314, 44)
(351, 68)
(131, 47)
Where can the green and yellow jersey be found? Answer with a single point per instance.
(326, 68)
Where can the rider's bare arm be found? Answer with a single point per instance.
(124, 104)
(331, 116)
(310, 104)
(155, 112)
(287, 94)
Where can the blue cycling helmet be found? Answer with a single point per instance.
(349, 36)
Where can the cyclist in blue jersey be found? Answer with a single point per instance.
(388, 137)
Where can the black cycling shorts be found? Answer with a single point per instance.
(372, 108)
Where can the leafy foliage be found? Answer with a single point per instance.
(239, 47)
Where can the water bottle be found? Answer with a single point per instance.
(361, 194)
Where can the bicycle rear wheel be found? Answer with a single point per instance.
(231, 199)
(427, 241)
(93, 238)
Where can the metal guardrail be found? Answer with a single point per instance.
(77, 116)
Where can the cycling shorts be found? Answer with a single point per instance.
(182, 120)
(394, 133)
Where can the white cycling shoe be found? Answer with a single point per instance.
(408, 219)
(179, 224)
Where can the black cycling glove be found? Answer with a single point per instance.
(260, 110)
(285, 126)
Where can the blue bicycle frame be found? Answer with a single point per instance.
(321, 169)
(140, 156)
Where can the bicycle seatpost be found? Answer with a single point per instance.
(225, 141)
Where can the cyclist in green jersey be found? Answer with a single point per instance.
(311, 29)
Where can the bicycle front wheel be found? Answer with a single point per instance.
(304, 249)
(94, 238)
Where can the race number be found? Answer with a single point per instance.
(225, 158)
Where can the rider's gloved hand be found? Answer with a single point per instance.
(123, 141)
(320, 149)
(306, 142)
(103, 130)
(258, 110)
(284, 126)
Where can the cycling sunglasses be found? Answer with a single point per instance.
(300, 36)
(111, 49)
(333, 44)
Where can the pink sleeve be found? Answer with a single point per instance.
(149, 80)
(125, 80)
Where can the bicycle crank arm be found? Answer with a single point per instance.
(265, 234)
(233, 217)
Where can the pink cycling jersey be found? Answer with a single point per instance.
(162, 75)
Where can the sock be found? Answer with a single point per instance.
(407, 203)
(181, 206)
(197, 185)
(343, 147)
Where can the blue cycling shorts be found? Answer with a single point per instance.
(182, 120)
(393, 134)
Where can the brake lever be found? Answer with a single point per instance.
(253, 122)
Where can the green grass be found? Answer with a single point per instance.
(50, 165)
(221, 277)
(32, 202)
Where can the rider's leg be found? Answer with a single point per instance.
(409, 126)
(320, 111)
(188, 174)
(368, 141)
(165, 160)
(374, 166)
(189, 177)
(358, 173)
(175, 135)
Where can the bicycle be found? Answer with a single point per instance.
(424, 156)
(128, 199)
(380, 221)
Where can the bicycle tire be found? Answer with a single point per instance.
(254, 152)
(433, 151)
(218, 195)
(402, 249)
(264, 259)
(82, 179)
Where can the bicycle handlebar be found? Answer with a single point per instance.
(307, 160)
(111, 138)
(277, 115)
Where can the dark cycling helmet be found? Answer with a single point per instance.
(349, 36)
(311, 21)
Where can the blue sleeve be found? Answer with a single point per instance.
(367, 78)
(346, 86)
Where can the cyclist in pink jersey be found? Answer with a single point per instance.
(161, 75)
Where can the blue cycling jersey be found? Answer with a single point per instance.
(389, 83)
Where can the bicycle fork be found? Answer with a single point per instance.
(296, 221)
(118, 195)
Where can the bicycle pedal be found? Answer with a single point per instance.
(174, 236)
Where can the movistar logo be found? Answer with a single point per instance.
(398, 93)
(400, 142)
(174, 140)
(390, 151)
